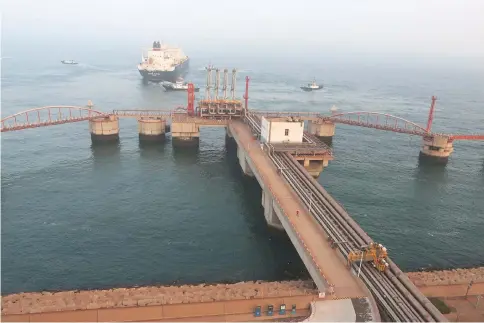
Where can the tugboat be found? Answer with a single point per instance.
(69, 62)
(312, 87)
(179, 85)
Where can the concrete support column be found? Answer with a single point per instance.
(104, 128)
(151, 129)
(228, 133)
(243, 162)
(314, 166)
(322, 129)
(269, 212)
(185, 134)
(229, 139)
(436, 148)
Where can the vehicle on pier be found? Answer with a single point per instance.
(312, 87)
(179, 85)
(374, 252)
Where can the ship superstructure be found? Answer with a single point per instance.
(163, 63)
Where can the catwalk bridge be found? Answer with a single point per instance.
(347, 266)
(55, 115)
(437, 146)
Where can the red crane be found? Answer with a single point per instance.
(431, 114)
(467, 137)
(191, 100)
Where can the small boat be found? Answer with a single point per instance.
(179, 85)
(69, 62)
(312, 87)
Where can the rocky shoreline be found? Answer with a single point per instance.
(447, 277)
(142, 296)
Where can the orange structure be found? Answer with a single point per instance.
(374, 252)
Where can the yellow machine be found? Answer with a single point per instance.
(374, 252)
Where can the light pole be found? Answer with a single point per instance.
(361, 262)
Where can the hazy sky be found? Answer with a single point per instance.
(422, 27)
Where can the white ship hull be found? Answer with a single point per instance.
(163, 63)
(170, 76)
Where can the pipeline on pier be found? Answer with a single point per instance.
(215, 104)
(393, 291)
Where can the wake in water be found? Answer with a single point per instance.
(93, 67)
(119, 72)
(443, 233)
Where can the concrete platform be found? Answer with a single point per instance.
(184, 118)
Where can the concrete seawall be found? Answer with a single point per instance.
(217, 311)
(221, 302)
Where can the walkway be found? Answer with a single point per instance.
(312, 236)
(221, 311)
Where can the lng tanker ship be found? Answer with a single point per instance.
(163, 63)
